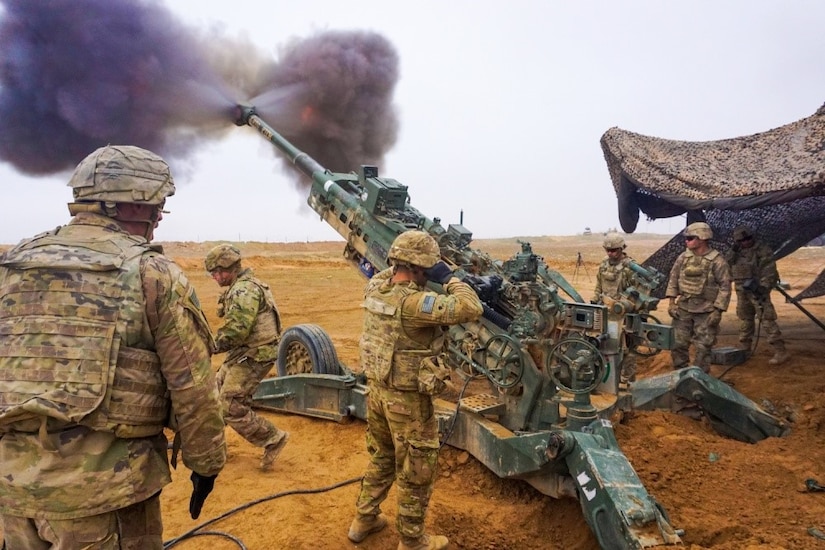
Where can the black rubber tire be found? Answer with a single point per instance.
(307, 348)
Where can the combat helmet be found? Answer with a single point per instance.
(416, 248)
(700, 230)
(122, 173)
(222, 256)
(613, 241)
(742, 232)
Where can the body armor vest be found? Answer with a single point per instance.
(696, 276)
(388, 355)
(267, 327)
(71, 317)
(611, 277)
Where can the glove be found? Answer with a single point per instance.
(715, 317)
(751, 285)
(673, 311)
(439, 273)
(201, 487)
(761, 292)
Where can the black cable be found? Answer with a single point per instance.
(195, 531)
(455, 415)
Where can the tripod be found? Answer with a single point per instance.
(580, 264)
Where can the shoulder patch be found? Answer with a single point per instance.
(427, 304)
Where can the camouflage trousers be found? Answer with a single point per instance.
(136, 527)
(748, 308)
(693, 328)
(402, 441)
(238, 381)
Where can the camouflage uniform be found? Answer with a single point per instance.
(250, 335)
(82, 456)
(702, 286)
(755, 263)
(402, 338)
(612, 279)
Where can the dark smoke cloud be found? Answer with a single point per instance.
(78, 74)
(339, 109)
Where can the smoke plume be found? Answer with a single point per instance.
(78, 74)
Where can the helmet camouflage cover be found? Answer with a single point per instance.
(612, 241)
(415, 247)
(122, 173)
(700, 230)
(223, 256)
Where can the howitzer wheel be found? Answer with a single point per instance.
(503, 360)
(307, 348)
(636, 345)
(563, 356)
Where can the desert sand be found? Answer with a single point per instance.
(725, 494)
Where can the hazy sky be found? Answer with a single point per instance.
(501, 107)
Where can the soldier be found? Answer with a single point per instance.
(400, 345)
(250, 336)
(103, 344)
(612, 279)
(699, 292)
(754, 275)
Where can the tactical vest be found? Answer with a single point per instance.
(742, 263)
(745, 264)
(611, 277)
(267, 327)
(388, 355)
(696, 276)
(71, 314)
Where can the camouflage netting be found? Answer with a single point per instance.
(773, 181)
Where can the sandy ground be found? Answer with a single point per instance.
(726, 495)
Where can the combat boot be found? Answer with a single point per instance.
(779, 358)
(426, 542)
(364, 526)
(272, 451)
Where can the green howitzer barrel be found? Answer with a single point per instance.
(543, 354)
(368, 211)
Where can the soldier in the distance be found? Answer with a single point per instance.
(612, 279)
(754, 275)
(249, 336)
(103, 345)
(699, 292)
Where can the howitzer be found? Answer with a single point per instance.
(549, 358)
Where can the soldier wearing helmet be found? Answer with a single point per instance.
(249, 336)
(699, 290)
(612, 279)
(754, 275)
(400, 345)
(122, 350)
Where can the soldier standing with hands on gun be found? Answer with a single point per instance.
(103, 345)
(699, 292)
(754, 275)
(402, 340)
(250, 335)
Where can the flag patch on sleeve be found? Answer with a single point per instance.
(427, 304)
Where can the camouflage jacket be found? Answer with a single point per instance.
(252, 324)
(395, 338)
(613, 279)
(701, 283)
(70, 470)
(755, 262)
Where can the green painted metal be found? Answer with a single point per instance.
(550, 362)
